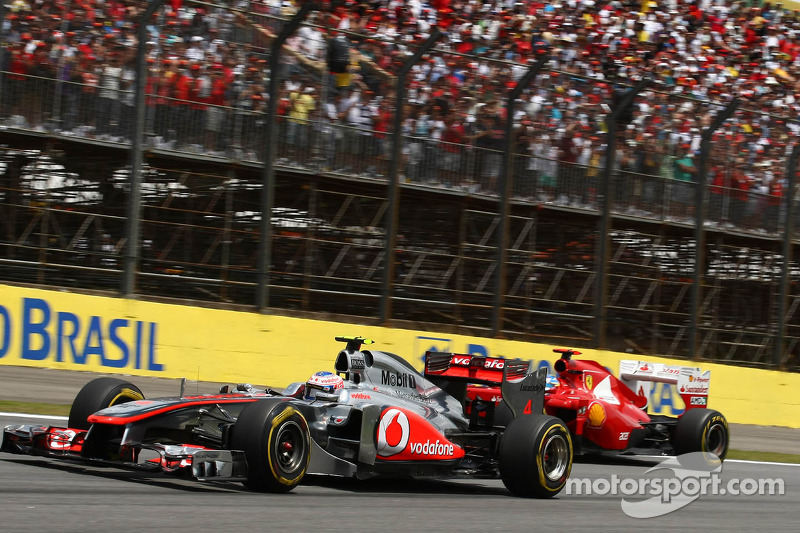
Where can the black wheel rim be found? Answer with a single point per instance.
(290, 447)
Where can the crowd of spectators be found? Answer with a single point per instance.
(208, 81)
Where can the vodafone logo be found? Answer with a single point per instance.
(393, 433)
(466, 360)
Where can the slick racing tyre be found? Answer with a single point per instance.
(99, 394)
(701, 430)
(276, 444)
(535, 456)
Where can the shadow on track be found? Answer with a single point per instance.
(621, 460)
(379, 485)
(143, 478)
(382, 485)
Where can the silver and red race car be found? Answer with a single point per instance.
(376, 415)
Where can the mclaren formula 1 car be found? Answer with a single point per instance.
(607, 415)
(376, 415)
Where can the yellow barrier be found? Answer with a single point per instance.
(50, 329)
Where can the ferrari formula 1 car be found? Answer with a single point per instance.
(376, 415)
(607, 415)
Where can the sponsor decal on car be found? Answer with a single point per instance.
(398, 379)
(432, 448)
(461, 360)
(60, 439)
(360, 396)
(595, 415)
(494, 363)
(698, 400)
(393, 433)
(405, 436)
(491, 363)
(684, 389)
(531, 388)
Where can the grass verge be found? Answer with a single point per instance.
(34, 408)
(772, 457)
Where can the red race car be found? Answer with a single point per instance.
(607, 415)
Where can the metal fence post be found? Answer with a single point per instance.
(268, 170)
(788, 228)
(700, 194)
(133, 250)
(506, 187)
(393, 193)
(56, 119)
(604, 224)
(5, 52)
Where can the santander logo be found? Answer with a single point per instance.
(393, 433)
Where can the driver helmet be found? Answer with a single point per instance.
(552, 383)
(323, 385)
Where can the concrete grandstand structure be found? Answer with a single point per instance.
(493, 215)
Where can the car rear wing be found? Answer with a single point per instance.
(473, 368)
(692, 382)
(522, 389)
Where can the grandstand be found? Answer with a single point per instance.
(68, 110)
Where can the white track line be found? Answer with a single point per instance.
(26, 415)
(745, 461)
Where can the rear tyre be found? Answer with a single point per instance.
(701, 430)
(535, 456)
(276, 445)
(99, 394)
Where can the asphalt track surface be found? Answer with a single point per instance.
(39, 494)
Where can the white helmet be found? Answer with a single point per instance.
(323, 385)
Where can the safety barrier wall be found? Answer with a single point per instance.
(60, 330)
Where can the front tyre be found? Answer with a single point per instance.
(535, 456)
(701, 430)
(276, 444)
(99, 394)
